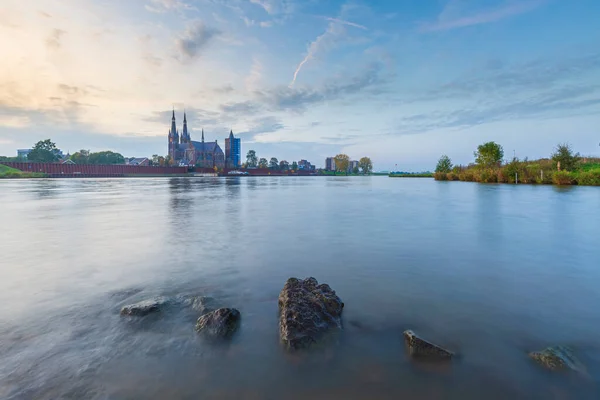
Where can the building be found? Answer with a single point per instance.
(142, 161)
(233, 151)
(352, 165)
(304, 165)
(186, 152)
(23, 153)
(330, 164)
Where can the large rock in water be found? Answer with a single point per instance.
(557, 358)
(145, 307)
(306, 311)
(420, 347)
(219, 323)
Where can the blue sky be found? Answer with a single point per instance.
(400, 81)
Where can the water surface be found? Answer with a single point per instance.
(489, 271)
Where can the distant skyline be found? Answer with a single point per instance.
(399, 81)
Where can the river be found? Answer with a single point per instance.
(488, 271)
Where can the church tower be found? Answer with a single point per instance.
(173, 138)
(185, 136)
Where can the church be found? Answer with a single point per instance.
(186, 152)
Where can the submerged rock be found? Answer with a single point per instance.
(306, 311)
(557, 358)
(145, 307)
(419, 347)
(219, 323)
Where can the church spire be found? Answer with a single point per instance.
(202, 135)
(185, 136)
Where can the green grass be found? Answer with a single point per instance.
(12, 173)
(418, 175)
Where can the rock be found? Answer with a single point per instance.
(219, 323)
(145, 307)
(419, 347)
(306, 311)
(557, 358)
(203, 304)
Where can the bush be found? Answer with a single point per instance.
(589, 178)
(467, 175)
(452, 176)
(563, 178)
(440, 176)
(487, 176)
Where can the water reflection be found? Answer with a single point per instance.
(488, 271)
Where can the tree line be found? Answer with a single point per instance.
(564, 167)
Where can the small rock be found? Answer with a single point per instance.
(219, 323)
(203, 304)
(306, 311)
(419, 347)
(145, 307)
(557, 358)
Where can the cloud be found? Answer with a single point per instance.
(274, 7)
(162, 6)
(508, 9)
(250, 22)
(240, 108)
(53, 40)
(194, 39)
(263, 125)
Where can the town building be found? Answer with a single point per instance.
(141, 161)
(352, 165)
(304, 165)
(186, 152)
(330, 164)
(23, 153)
(233, 151)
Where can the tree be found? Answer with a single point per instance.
(81, 157)
(251, 159)
(489, 155)
(341, 163)
(563, 154)
(168, 161)
(294, 166)
(284, 165)
(355, 170)
(274, 163)
(262, 163)
(44, 151)
(106, 157)
(444, 164)
(365, 165)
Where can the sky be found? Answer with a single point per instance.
(400, 81)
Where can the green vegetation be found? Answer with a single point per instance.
(44, 151)
(342, 161)
(411, 175)
(8, 173)
(563, 168)
(366, 165)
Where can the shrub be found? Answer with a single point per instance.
(467, 175)
(589, 178)
(440, 176)
(564, 155)
(563, 178)
(452, 176)
(487, 176)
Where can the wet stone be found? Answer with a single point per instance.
(219, 323)
(419, 347)
(557, 358)
(145, 307)
(307, 310)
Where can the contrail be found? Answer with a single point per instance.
(314, 46)
(341, 21)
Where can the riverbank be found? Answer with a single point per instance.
(529, 172)
(12, 173)
(416, 175)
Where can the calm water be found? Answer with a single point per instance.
(488, 271)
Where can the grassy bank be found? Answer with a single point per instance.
(418, 175)
(587, 172)
(12, 173)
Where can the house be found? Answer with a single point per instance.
(143, 161)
